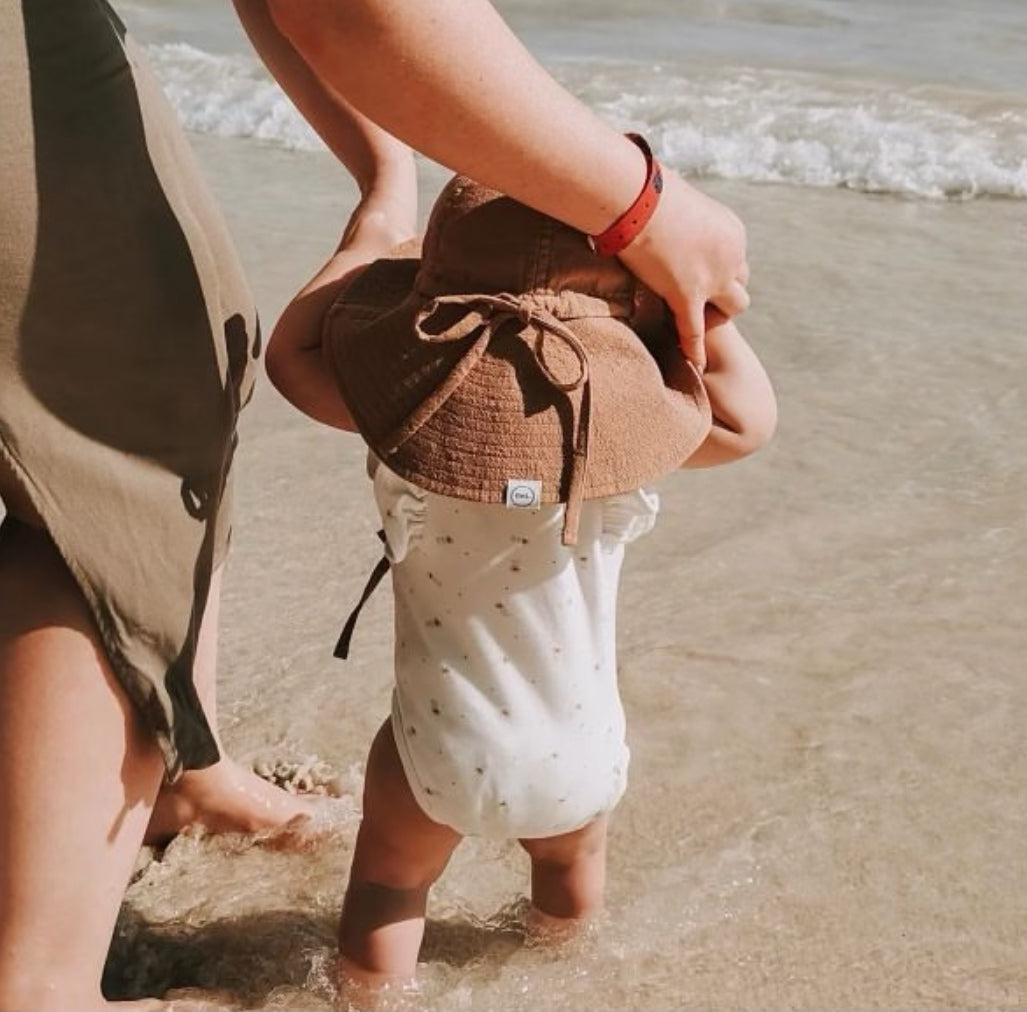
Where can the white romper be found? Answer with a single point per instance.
(506, 711)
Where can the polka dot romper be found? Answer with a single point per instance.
(506, 710)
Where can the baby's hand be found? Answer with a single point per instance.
(374, 228)
(387, 213)
(385, 217)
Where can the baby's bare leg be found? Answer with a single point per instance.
(568, 874)
(399, 853)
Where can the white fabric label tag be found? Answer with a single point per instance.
(523, 494)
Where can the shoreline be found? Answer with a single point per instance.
(818, 658)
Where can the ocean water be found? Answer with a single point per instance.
(923, 99)
(821, 649)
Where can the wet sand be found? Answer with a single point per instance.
(822, 654)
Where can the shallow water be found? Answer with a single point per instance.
(877, 97)
(822, 649)
(821, 656)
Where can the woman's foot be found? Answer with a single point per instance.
(225, 798)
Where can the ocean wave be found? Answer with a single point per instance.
(229, 96)
(802, 128)
(815, 129)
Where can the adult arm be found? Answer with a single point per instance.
(381, 166)
(449, 78)
(296, 359)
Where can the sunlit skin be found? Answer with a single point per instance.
(400, 852)
(449, 79)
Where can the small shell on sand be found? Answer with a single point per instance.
(305, 776)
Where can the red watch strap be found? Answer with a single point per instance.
(625, 229)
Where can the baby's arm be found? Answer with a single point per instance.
(741, 396)
(383, 169)
(295, 359)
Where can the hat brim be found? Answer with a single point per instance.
(505, 421)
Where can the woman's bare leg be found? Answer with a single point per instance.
(226, 797)
(78, 776)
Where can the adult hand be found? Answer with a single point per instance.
(692, 254)
(450, 79)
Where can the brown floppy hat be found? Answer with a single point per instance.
(500, 365)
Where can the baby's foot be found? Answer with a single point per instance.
(366, 991)
(542, 929)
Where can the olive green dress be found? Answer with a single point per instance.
(128, 344)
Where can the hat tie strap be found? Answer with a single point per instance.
(545, 324)
(499, 309)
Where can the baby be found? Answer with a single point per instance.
(517, 393)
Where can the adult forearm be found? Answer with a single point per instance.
(452, 81)
(368, 151)
(461, 89)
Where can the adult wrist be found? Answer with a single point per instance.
(623, 231)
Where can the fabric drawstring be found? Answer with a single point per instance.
(381, 568)
(491, 312)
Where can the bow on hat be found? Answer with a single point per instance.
(490, 313)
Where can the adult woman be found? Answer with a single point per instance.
(127, 349)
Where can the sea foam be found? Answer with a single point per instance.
(229, 96)
(802, 128)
